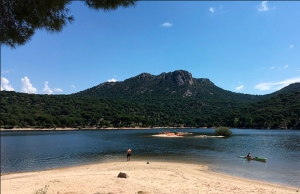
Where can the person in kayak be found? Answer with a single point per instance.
(249, 156)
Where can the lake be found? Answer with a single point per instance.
(41, 150)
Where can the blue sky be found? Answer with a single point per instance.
(248, 47)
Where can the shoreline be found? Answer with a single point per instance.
(94, 128)
(155, 177)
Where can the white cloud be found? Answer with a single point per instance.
(6, 85)
(276, 85)
(167, 24)
(112, 80)
(5, 71)
(57, 90)
(212, 10)
(264, 6)
(27, 86)
(46, 89)
(272, 67)
(239, 87)
(73, 86)
(291, 46)
(286, 66)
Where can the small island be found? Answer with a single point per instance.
(171, 134)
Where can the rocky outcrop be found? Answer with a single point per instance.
(180, 77)
(145, 76)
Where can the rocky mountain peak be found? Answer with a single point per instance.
(144, 76)
(180, 77)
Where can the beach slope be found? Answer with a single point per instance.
(155, 177)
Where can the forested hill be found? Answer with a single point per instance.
(280, 111)
(290, 88)
(177, 84)
(167, 100)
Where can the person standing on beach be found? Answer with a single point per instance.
(128, 154)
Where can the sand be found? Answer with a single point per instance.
(165, 135)
(155, 177)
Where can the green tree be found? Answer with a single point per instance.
(236, 122)
(64, 121)
(224, 131)
(21, 18)
(12, 122)
(249, 122)
(29, 120)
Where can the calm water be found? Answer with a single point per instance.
(40, 150)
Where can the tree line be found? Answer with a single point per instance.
(20, 110)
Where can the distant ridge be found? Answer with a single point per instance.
(290, 88)
(173, 99)
(179, 83)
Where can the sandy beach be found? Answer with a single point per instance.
(155, 177)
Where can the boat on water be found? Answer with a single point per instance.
(255, 158)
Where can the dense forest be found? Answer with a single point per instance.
(153, 101)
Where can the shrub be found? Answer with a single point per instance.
(223, 131)
(42, 190)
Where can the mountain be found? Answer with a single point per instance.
(177, 84)
(290, 88)
(173, 84)
(173, 99)
(278, 111)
